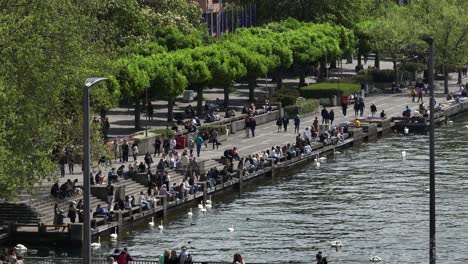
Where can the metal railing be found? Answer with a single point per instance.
(46, 260)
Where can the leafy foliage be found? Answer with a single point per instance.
(329, 89)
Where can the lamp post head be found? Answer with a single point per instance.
(428, 39)
(94, 80)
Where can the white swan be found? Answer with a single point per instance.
(114, 235)
(161, 227)
(336, 244)
(403, 153)
(450, 122)
(21, 247)
(208, 206)
(98, 244)
(190, 214)
(466, 126)
(209, 200)
(406, 130)
(375, 259)
(203, 210)
(152, 222)
(231, 229)
(323, 158)
(200, 205)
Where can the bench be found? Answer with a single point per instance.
(98, 220)
(43, 227)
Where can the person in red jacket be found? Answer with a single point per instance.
(124, 257)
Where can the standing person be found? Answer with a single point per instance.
(198, 142)
(172, 144)
(72, 211)
(238, 259)
(420, 95)
(285, 122)
(253, 125)
(413, 94)
(106, 127)
(115, 149)
(191, 145)
(324, 114)
(184, 256)
(373, 109)
(344, 107)
(331, 116)
(134, 150)
(214, 138)
(57, 213)
(150, 111)
(125, 150)
(316, 124)
(148, 160)
(62, 162)
(383, 114)
(297, 122)
(279, 123)
(173, 258)
(166, 146)
(157, 146)
(164, 258)
(110, 193)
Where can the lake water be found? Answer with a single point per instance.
(367, 197)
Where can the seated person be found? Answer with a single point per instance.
(196, 121)
(120, 171)
(209, 118)
(235, 154)
(112, 176)
(144, 202)
(99, 178)
(189, 111)
(383, 114)
(141, 167)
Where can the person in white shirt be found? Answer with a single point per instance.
(307, 133)
(173, 143)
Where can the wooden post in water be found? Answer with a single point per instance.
(241, 180)
(273, 170)
(205, 192)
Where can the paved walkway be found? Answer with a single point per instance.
(267, 135)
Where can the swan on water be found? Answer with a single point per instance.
(375, 259)
(98, 244)
(152, 222)
(190, 214)
(450, 122)
(231, 229)
(317, 163)
(209, 200)
(336, 244)
(403, 153)
(323, 158)
(466, 126)
(208, 206)
(406, 130)
(161, 227)
(114, 235)
(21, 247)
(203, 210)
(200, 206)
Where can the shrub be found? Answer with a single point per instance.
(163, 132)
(329, 89)
(221, 129)
(302, 106)
(286, 96)
(377, 75)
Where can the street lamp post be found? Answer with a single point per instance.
(432, 224)
(86, 166)
(147, 111)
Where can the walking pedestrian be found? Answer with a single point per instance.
(191, 145)
(285, 122)
(72, 212)
(297, 122)
(356, 108)
(324, 114)
(115, 148)
(247, 126)
(373, 109)
(344, 105)
(361, 107)
(331, 116)
(157, 146)
(214, 138)
(279, 123)
(134, 150)
(420, 95)
(198, 142)
(316, 124)
(150, 111)
(413, 94)
(253, 125)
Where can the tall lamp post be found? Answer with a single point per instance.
(432, 225)
(86, 165)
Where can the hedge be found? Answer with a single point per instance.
(329, 89)
(221, 129)
(302, 106)
(286, 97)
(377, 75)
(163, 132)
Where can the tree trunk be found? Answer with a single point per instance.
(252, 85)
(446, 75)
(359, 61)
(349, 59)
(199, 89)
(302, 79)
(170, 109)
(377, 60)
(226, 100)
(395, 68)
(137, 112)
(460, 76)
(279, 79)
(333, 65)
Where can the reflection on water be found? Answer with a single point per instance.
(369, 198)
